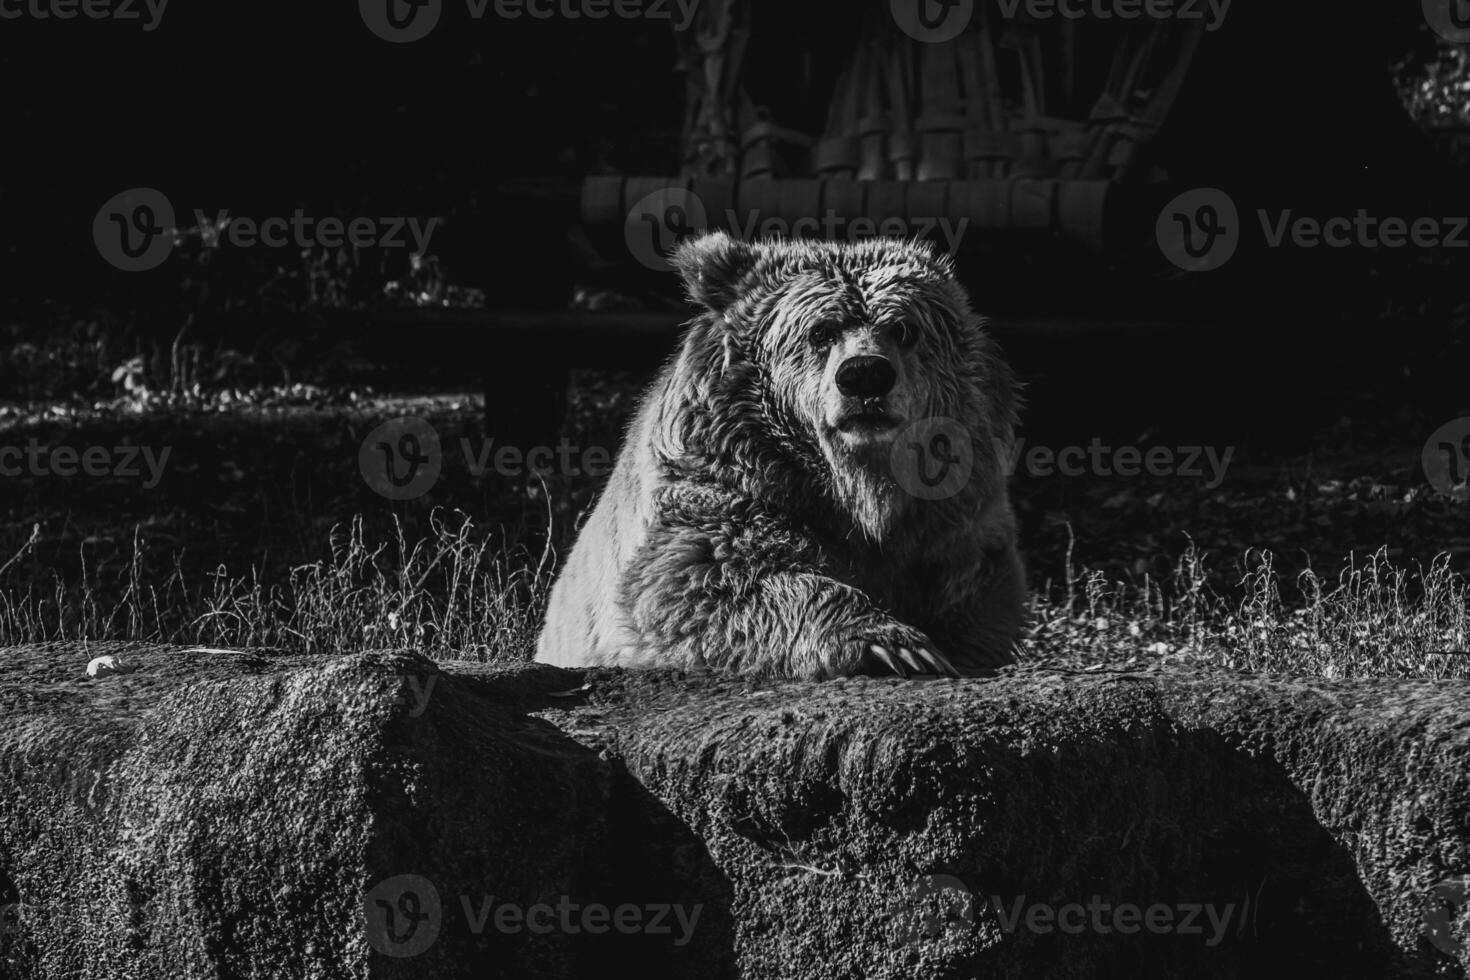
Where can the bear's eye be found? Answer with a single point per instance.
(905, 334)
(825, 333)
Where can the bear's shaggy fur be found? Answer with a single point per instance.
(759, 519)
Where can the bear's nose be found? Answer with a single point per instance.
(866, 377)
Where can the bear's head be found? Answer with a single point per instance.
(824, 355)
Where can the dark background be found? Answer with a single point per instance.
(264, 107)
(490, 125)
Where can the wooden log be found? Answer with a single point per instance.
(1033, 205)
(1082, 211)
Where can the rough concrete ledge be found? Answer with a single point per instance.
(245, 814)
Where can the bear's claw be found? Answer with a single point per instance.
(886, 659)
(919, 661)
(941, 663)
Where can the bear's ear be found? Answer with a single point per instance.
(942, 261)
(712, 267)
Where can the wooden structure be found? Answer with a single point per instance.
(1049, 136)
(1015, 124)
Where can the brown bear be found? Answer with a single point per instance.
(813, 486)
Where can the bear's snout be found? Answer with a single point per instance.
(866, 376)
